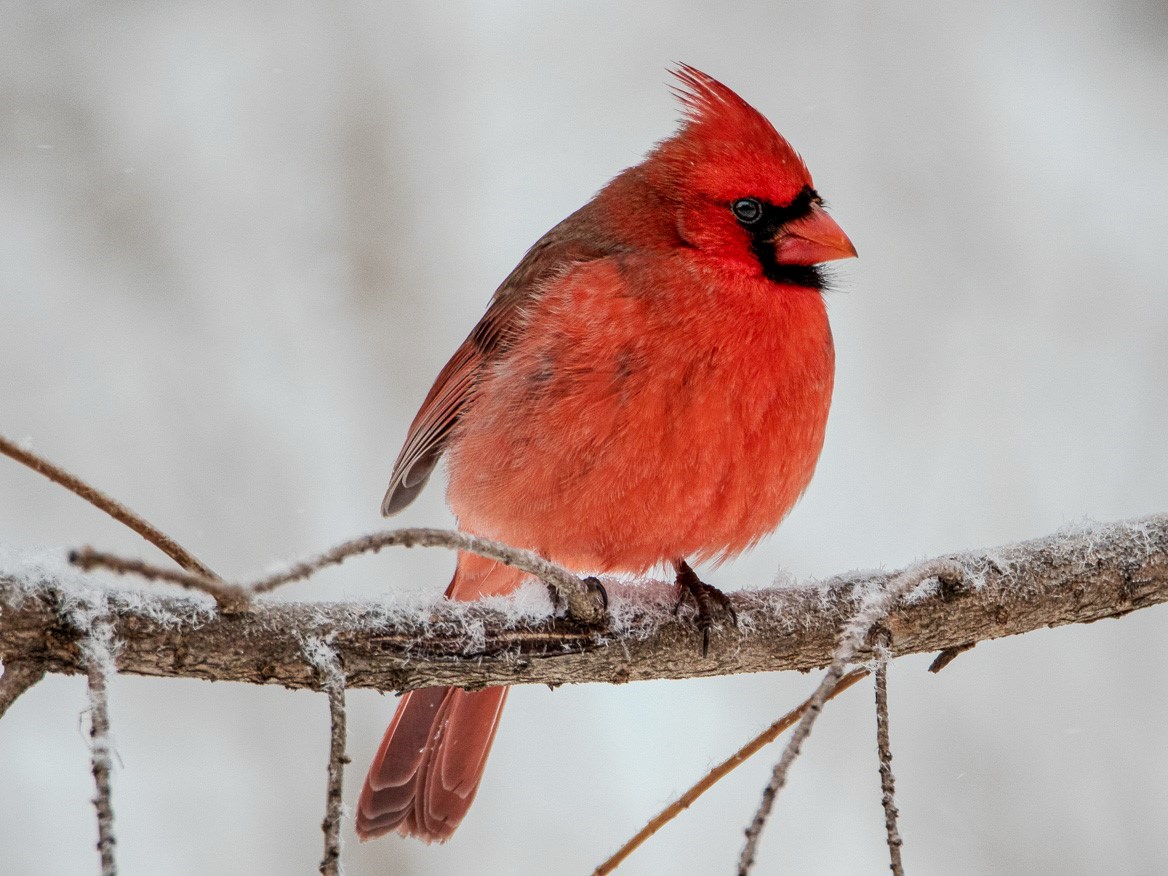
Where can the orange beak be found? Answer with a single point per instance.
(813, 239)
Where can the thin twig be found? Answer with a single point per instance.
(231, 597)
(763, 739)
(19, 676)
(581, 604)
(97, 651)
(109, 505)
(873, 609)
(332, 675)
(944, 658)
(330, 864)
(884, 748)
(549, 573)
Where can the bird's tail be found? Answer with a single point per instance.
(427, 770)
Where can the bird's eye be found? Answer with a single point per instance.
(747, 210)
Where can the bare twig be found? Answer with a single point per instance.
(231, 597)
(874, 607)
(97, 652)
(884, 748)
(328, 664)
(330, 864)
(944, 658)
(109, 505)
(19, 676)
(581, 604)
(769, 735)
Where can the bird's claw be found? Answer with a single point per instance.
(706, 598)
(594, 593)
(595, 588)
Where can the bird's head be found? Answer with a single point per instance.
(742, 194)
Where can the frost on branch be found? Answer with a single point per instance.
(327, 663)
(54, 617)
(402, 642)
(874, 608)
(91, 620)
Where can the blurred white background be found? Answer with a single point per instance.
(237, 244)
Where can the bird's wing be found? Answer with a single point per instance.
(573, 242)
(431, 427)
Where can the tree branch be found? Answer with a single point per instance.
(97, 654)
(18, 677)
(321, 655)
(108, 504)
(719, 772)
(1077, 575)
(884, 751)
(875, 607)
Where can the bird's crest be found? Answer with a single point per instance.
(731, 139)
(714, 108)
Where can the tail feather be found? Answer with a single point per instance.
(427, 770)
(461, 759)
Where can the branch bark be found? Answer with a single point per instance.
(18, 677)
(1074, 576)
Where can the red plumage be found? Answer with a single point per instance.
(651, 383)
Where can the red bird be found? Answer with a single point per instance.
(650, 385)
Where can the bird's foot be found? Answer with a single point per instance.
(706, 598)
(596, 591)
(589, 608)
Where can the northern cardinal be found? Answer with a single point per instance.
(650, 385)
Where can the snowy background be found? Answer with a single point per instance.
(237, 244)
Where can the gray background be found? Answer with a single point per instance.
(236, 245)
